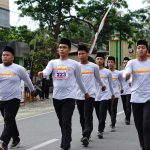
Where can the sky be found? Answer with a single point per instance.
(15, 20)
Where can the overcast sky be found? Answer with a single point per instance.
(135, 4)
(16, 21)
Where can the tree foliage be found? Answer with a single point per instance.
(18, 34)
(57, 17)
(50, 13)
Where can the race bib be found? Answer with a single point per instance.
(61, 75)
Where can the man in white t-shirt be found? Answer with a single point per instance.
(103, 97)
(118, 89)
(126, 95)
(66, 74)
(11, 75)
(90, 75)
(140, 92)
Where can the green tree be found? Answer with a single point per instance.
(43, 49)
(57, 18)
(122, 22)
(18, 34)
(78, 31)
(50, 13)
(57, 14)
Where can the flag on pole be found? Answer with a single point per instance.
(101, 27)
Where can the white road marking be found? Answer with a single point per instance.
(43, 144)
(32, 116)
(35, 115)
(119, 113)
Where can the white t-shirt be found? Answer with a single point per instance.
(106, 78)
(65, 74)
(10, 81)
(125, 84)
(117, 84)
(140, 89)
(90, 75)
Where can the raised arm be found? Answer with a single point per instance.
(128, 70)
(25, 77)
(47, 71)
(97, 76)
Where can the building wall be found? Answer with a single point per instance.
(4, 14)
(119, 54)
(4, 4)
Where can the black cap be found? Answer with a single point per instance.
(126, 58)
(100, 55)
(142, 42)
(66, 42)
(9, 49)
(83, 47)
(111, 58)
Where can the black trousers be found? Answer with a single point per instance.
(88, 115)
(9, 111)
(45, 88)
(64, 110)
(112, 109)
(126, 105)
(141, 114)
(80, 107)
(101, 108)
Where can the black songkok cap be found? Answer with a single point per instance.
(100, 55)
(83, 48)
(66, 42)
(111, 58)
(9, 49)
(142, 42)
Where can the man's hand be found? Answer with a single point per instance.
(32, 93)
(40, 74)
(128, 75)
(87, 96)
(103, 88)
(130, 84)
(113, 97)
(122, 91)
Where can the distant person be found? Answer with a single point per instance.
(11, 75)
(66, 74)
(148, 54)
(126, 95)
(139, 69)
(103, 97)
(38, 89)
(45, 88)
(90, 76)
(117, 88)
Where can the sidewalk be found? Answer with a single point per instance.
(30, 109)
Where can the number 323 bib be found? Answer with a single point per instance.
(61, 75)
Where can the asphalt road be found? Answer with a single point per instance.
(39, 130)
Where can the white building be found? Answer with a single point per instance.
(4, 14)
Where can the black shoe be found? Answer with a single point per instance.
(65, 148)
(100, 135)
(85, 141)
(15, 143)
(127, 122)
(3, 146)
(81, 139)
(113, 129)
